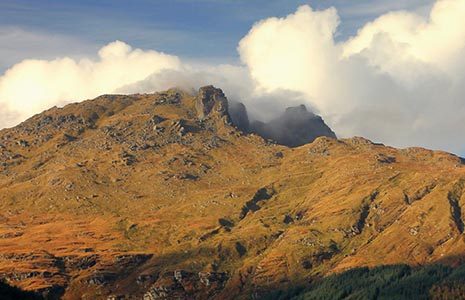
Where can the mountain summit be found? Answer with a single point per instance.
(170, 195)
(295, 127)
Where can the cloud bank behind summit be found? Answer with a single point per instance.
(400, 80)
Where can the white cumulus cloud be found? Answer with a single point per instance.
(34, 85)
(399, 80)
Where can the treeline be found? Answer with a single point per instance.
(384, 282)
(391, 282)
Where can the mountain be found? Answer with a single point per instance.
(161, 196)
(295, 127)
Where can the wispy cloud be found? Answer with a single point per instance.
(18, 44)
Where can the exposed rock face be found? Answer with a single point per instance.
(181, 284)
(295, 127)
(239, 116)
(211, 101)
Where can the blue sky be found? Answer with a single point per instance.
(202, 30)
(381, 89)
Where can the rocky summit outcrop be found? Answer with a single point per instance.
(295, 127)
(211, 101)
(239, 117)
(161, 196)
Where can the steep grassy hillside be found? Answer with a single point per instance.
(160, 196)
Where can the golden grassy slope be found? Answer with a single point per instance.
(97, 200)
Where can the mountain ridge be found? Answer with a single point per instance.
(142, 196)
